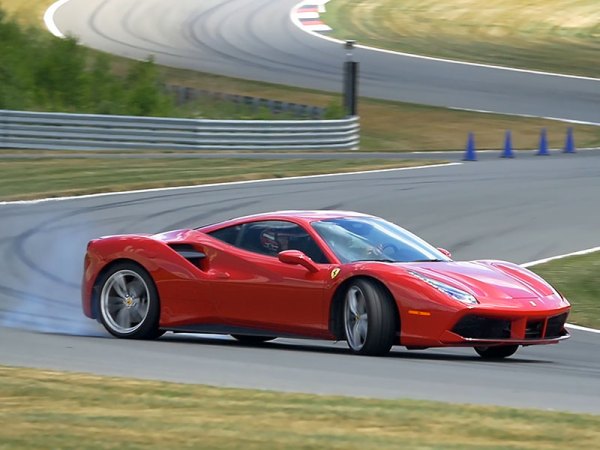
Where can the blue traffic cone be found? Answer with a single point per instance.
(508, 150)
(543, 151)
(569, 142)
(470, 151)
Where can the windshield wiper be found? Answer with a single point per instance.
(428, 260)
(376, 260)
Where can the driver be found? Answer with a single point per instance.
(274, 242)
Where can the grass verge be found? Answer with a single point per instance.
(42, 409)
(22, 179)
(29, 12)
(385, 126)
(577, 278)
(552, 35)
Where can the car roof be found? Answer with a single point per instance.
(305, 216)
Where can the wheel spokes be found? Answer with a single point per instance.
(136, 288)
(140, 310)
(356, 318)
(120, 285)
(353, 302)
(123, 318)
(125, 301)
(362, 328)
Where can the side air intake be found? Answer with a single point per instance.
(189, 252)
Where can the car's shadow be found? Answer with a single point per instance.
(340, 348)
(325, 347)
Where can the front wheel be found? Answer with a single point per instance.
(497, 352)
(369, 318)
(129, 304)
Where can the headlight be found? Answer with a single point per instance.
(563, 299)
(452, 292)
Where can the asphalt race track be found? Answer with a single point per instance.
(520, 210)
(257, 40)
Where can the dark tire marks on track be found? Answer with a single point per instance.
(517, 210)
(258, 41)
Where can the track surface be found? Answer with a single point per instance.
(519, 210)
(257, 40)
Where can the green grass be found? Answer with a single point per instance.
(42, 409)
(577, 278)
(35, 178)
(389, 126)
(552, 35)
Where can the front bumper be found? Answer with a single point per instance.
(478, 329)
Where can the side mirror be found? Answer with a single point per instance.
(445, 252)
(296, 257)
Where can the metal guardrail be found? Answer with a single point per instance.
(60, 131)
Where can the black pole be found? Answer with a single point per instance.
(350, 87)
(350, 81)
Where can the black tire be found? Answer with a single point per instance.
(128, 303)
(496, 352)
(374, 334)
(248, 339)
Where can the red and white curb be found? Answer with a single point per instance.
(307, 14)
(429, 58)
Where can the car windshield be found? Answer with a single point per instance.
(373, 239)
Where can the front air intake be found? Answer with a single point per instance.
(556, 325)
(480, 327)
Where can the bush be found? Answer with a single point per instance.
(44, 73)
(145, 95)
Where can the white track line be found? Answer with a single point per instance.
(232, 183)
(529, 116)
(49, 18)
(429, 58)
(580, 328)
(566, 255)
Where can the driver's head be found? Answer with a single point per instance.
(274, 242)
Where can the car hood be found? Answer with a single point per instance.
(486, 279)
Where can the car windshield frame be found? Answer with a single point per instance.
(354, 239)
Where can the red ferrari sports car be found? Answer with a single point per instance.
(316, 274)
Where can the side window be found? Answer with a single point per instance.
(229, 234)
(270, 237)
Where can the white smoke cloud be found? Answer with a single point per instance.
(40, 284)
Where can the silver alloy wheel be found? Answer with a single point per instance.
(355, 318)
(125, 301)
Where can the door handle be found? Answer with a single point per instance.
(219, 275)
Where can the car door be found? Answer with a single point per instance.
(263, 293)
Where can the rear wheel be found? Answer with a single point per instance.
(247, 339)
(129, 304)
(369, 318)
(497, 352)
